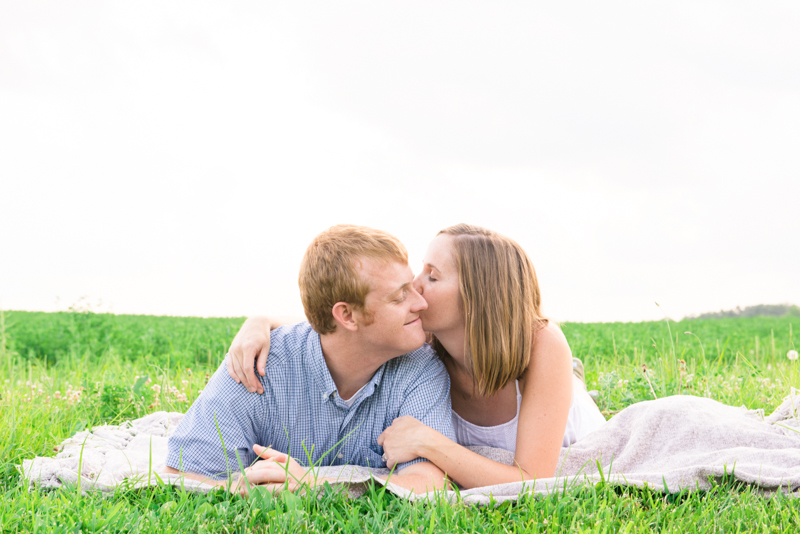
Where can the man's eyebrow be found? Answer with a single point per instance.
(404, 287)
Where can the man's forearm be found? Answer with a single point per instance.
(295, 483)
(194, 476)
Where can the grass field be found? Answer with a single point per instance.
(63, 372)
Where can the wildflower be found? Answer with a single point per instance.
(73, 395)
(156, 388)
(188, 371)
(792, 355)
(185, 383)
(57, 395)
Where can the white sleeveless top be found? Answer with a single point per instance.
(584, 417)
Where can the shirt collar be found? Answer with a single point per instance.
(323, 380)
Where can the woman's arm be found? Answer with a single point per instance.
(251, 342)
(545, 407)
(546, 401)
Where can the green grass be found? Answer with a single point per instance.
(98, 363)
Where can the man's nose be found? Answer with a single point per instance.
(421, 303)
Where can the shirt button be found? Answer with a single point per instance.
(341, 455)
(324, 397)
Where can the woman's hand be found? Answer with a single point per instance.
(405, 440)
(250, 343)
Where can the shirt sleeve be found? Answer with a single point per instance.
(428, 400)
(215, 438)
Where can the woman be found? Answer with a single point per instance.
(512, 385)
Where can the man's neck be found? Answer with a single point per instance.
(350, 365)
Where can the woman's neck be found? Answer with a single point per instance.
(453, 342)
(461, 381)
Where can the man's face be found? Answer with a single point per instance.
(392, 307)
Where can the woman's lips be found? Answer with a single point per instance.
(415, 321)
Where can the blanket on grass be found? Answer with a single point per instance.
(670, 444)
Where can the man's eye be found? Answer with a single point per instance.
(431, 278)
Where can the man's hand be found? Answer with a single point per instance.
(250, 343)
(276, 471)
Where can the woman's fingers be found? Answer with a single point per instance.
(262, 364)
(251, 342)
(400, 441)
(247, 362)
(229, 367)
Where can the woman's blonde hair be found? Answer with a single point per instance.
(501, 306)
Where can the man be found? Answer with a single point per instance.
(331, 385)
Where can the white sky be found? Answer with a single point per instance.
(177, 157)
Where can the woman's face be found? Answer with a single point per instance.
(438, 284)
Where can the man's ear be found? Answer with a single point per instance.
(345, 316)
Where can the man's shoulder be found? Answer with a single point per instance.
(290, 342)
(422, 360)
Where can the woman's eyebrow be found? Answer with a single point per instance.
(432, 266)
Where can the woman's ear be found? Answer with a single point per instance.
(343, 313)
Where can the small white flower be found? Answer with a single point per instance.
(792, 355)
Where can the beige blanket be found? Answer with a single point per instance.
(670, 444)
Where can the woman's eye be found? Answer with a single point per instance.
(431, 278)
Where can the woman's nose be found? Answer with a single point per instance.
(418, 283)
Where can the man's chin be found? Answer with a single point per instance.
(416, 337)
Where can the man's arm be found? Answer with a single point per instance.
(215, 437)
(194, 476)
(275, 470)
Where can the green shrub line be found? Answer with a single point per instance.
(65, 372)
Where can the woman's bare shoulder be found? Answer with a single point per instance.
(550, 348)
(550, 340)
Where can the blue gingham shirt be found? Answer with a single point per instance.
(300, 412)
